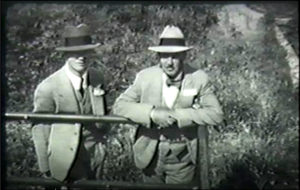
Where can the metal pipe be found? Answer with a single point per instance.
(30, 181)
(71, 118)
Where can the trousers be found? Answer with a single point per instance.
(172, 164)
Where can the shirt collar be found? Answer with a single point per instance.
(76, 80)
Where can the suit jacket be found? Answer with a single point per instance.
(196, 105)
(57, 144)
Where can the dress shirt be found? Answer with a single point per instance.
(169, 93)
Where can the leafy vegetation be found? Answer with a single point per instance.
(256, 146)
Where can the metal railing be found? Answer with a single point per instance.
(93, 184)
(66, 118)
(31, 181)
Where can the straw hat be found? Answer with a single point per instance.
(171, 41)
(77, 38)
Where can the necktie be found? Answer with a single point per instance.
(81, 90)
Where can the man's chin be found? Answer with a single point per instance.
(81, 70)
(171, 74)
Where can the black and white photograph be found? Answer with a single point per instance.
(149, 95)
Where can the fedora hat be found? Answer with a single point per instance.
(171, 41)
(77, 38)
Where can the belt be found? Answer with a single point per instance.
(172, 133)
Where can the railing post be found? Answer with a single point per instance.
(203, 159)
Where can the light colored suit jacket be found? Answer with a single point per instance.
(196, 105)
(57, 144)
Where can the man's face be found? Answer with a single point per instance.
(171, 63)
(78, 61)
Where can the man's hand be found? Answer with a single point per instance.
(46, 174)
(162, 117)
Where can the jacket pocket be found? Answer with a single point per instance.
(49, 151)
(192, 147)
(144, 149)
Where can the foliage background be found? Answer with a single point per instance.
(257, 145)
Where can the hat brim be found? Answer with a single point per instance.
(169, 49)
(78, 48)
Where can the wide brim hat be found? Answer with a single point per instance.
(171, 41)
(77, 38)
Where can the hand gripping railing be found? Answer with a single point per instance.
(41, 117)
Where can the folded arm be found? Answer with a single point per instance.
(128, 104)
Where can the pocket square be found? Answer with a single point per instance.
(189, 92)
(98, 91)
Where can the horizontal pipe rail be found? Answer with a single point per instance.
(30, 181)
(42, 117)
(66, 118)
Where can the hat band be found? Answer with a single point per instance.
(77, 41)
(171, 42)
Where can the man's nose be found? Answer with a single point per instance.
(170, 60)
(82, 58)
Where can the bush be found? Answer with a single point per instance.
(251, 80)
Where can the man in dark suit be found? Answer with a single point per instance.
(71, 151)
(169, 103)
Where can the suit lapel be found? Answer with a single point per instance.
(159, 87)
(67, 98)
(96, 92)
(187, 83)
(182, 99)
(155, 90)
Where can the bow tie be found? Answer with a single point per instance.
(171, 82)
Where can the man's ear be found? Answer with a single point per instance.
(158, 55)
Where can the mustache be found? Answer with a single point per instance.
(169, 67)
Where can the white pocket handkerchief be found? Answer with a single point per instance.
(98, 91)
(189, 92)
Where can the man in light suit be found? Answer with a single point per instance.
(71, 151)
(170, 104)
